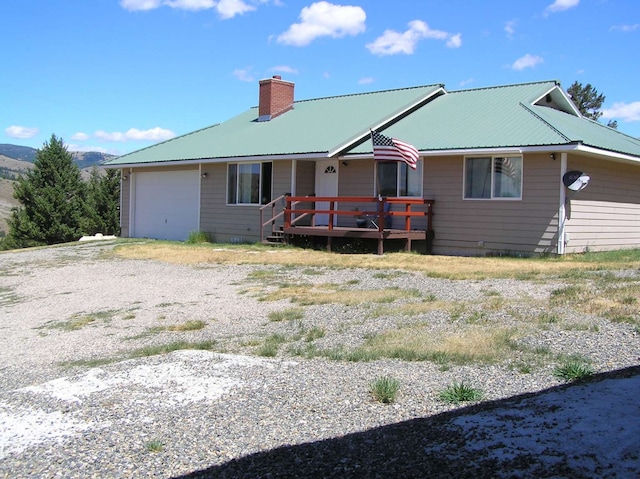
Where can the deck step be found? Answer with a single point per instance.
(275, 238)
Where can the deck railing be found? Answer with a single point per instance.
(273, 206)
(380, 209)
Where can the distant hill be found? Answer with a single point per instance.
(17, 152)
(15, 160)
(26, 153)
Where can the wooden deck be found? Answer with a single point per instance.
(300, 207)
(365, 233)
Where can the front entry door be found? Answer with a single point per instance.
(326, 185)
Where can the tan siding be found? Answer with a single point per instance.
(477, 227)
(606, 214)
(355, 179)
(125, 201)
(305, 178)
(235, 223)
(281, 178)
(305, 186)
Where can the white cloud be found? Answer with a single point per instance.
(284, 69)
(136, 5)
(455, 41)
(365, 81)
(225, 8)
(623, 111)
(21, 132)
(80, 136)
(466, 82)
(244, 74)
(133, 134)
(231, 8)
(510, 28)
(527, 61)
(324, 19)
(625, 28)
(561, 6)
(393, 43)
(193, 5)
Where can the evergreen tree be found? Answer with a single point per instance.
(103, 201)
(53, 200)
(588, 101)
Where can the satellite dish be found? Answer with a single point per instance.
(575, 180)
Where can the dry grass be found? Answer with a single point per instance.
(466, 345)
(437, 266)
(329, 293)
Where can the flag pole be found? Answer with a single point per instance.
(376, 171)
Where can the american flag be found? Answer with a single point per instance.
(390, 149)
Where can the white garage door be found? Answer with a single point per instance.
(166, 204)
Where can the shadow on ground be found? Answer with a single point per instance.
(551, 433)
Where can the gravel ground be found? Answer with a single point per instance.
(73, 404)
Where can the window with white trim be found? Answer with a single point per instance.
(495, 177)
(396, 178)
(249, 183)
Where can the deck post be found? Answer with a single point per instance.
(328, 244)
(287, 213)
(331, 205)
(407, 219)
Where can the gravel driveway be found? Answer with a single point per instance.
(74, 404)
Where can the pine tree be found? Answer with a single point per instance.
(588, 101)
(103, 201)
(53, 200)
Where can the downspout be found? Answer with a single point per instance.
(294, 172)
(562, 211)
(199, 195)
(121, 204)
(132, 203)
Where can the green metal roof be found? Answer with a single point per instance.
(511, 116)
(312, 126)
(508, 116)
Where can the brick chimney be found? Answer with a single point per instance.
(276, 97)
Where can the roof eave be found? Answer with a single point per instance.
(231, 159)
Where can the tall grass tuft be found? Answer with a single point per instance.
(460, 392)
(573, 369)
(384, 389)
(198, 237)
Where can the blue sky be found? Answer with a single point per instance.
(119, 75)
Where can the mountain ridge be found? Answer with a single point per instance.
(84, 159)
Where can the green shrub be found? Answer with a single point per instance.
(460, 392)
(154, 446)
(573, 370)
(198, 237)
(384, 389)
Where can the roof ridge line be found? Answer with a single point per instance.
(439, 85)
(538, 117)
(495, 87)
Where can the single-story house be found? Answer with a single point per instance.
(492, 164)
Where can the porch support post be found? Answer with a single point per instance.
(562, 212)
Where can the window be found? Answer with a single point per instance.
(395, 178)
(493, 177)
(249, 183)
